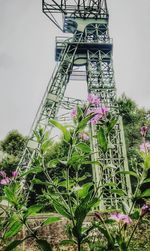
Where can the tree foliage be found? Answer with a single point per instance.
(13, 143)
(12, 146)
(133, 118)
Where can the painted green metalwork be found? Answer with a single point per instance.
(90, 49)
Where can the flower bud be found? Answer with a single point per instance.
(144, 131)
(14, 174)
(145, 209)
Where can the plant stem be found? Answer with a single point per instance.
(79, 246)
(136, 190)
(30, 230)
(133, 231)
(107, 229)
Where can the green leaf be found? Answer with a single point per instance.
(10, 194)
(110, 124)
(32, 170)
(44, 245)
(13, 245)
(120, 192)
(46, 145)
(79, 113)
(33, 210)
(109, 184)
(39, 182)
(146, 181)
(61, 209)
(67, 242)
(46, 136)
(146, 193)
(84, 122)
(87, 175)
(84, 147)
(51, 220)
(102, 139)
(84, 190)
(131, 173)
(65, 132)
(14, 229)
(65, 184)
(63, 163)
(39, 134)
(147, 162)
(52, 163)
(135, 215)
(82, 210)
(76, 159)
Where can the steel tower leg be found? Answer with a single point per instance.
(52, 98)
(100, 80)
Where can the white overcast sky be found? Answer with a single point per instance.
(27, 44)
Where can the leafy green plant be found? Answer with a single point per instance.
(74, 194)
(115, 226)
(15, 215)
(70, 197)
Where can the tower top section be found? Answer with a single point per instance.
(83, 9)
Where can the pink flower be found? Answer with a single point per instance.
(95, 119)
(3, 174)
(145, 147)
(144, 131)
(104, 110)
(5, 181)
(14, 174)
(84, 136)
(121, 218)
(145, 209)
(100, 113)
(93, 99)
(74, 112)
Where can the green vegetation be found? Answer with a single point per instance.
(68, 191)
(13, 144)
(133, 118)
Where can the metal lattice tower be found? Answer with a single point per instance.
(91, 47)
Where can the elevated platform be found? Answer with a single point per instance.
(105, 46)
